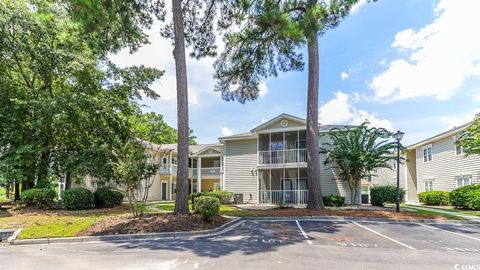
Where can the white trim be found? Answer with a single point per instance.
(382, 235)
(429, 179)
(283, 115)
(426, 147)
(462, 154)
(274, 130)
(463, 175)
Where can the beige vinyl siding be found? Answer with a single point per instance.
(240, 160)
(411, 173)
(329, 180)
(445, 165)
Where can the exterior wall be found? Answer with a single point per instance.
(445, 165)
(208, 184)
(329, 179)
(411, 175)
(240, 161)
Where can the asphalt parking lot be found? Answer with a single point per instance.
(412, 236)
(290, 244)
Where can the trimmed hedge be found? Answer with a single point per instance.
(38, 197)
(78, 199)
(207, 206)
(467, 197)
(379, 195)
(106, 197)
(434, 197)
(334, 200)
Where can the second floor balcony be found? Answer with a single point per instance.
(206, 172)
(282, 156)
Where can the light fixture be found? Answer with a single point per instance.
(398, 135)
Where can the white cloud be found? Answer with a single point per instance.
(341, 110)
(358, 6)
(438, 58)
(226, 131)
(344, 75)
(457, 120)
(263, 89)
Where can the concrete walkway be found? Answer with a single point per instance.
(440, 211)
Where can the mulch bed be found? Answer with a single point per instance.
(18, 210)
(291, 212)
(152, 223)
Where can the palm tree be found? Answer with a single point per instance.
(356, 151)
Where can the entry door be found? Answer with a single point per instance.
(164, 191)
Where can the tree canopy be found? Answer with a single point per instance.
(469, 139)
(356, 151)
(63, 107)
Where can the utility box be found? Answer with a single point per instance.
(238, 198)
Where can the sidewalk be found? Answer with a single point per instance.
(452, 213)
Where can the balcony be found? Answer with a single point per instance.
(282, 156)
(168, 169)
(210, 172)
(292, 197)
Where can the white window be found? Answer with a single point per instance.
(394, 164)
(301, 144)
(458, 148)
(375, 170)
(174, 161)
(216, 163)
(427, 153)
(164, 160)
(429, 184)
(463, 180)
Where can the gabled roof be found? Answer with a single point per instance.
(446, 134)
(281, 116)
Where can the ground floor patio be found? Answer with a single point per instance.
(283, 186)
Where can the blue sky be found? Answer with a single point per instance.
(405, 65)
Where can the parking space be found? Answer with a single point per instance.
(407, 236)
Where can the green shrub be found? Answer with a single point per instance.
(379, 195)
(38, 197)
(225, 197)
(78, 198)
(434, 197)
(106, 197)
(207, 206)
(333, 200)
(467, 197)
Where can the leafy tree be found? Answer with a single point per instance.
(192, 25)
(469, 139)
(356, 151)
(62, 106)
(134, 170)
(264, 37)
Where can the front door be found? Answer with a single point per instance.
(164, 191)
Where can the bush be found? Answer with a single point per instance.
(379, 195)
(333, 200)
(434, 197)
(106, 197)
(207, 206)
(223, 196)
(467, 197)
(38, 197)
(78, 198)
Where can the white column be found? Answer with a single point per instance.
(199, 174)
(190, 174)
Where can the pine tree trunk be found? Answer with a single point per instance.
(68, 180)
(17, 191)
(315, 200)
(181, 200)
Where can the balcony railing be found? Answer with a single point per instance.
(282, 156)
(210, 171)
(283, 197)
(168, 169)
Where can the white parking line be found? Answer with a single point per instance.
(303, 232)
(441, 229)
(384, 236)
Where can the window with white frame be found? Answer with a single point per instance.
(427, 153)
(394, 164)
(375, 170)
(429, 184)
(463, 180)
(458, 148)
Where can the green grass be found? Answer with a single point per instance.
(3, 197)
(228, 210)
(460, 211)
(432, 213)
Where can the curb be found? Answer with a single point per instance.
(129, 237)
(222, 229)
(14, 236)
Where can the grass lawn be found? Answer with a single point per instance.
(3, 197)
(460, 211)
(432, 213)
(54, 223)
(228, 210)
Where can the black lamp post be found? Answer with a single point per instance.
(398, 137)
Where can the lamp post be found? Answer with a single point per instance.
(398, 137)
